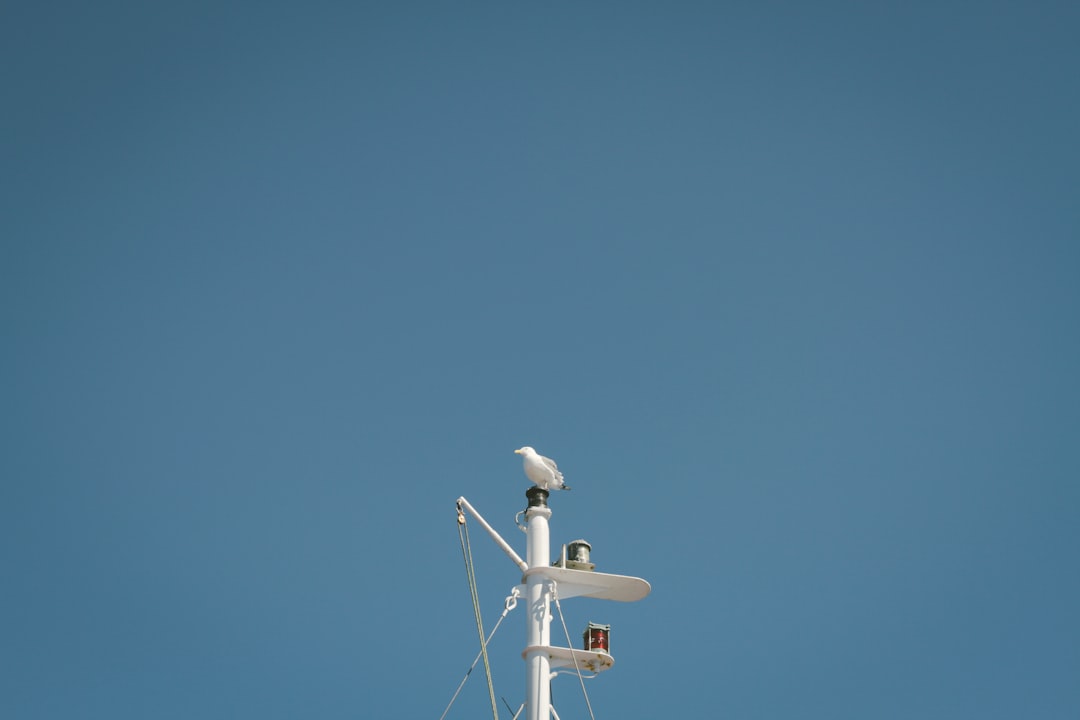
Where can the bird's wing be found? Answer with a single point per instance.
(550, 463)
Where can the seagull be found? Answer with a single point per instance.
(541, 470)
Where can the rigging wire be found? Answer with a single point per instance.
(466, 551)
(511, 603)
(570, 644)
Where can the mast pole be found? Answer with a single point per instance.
(538, 619)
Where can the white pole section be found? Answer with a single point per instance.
(463, 503)
(538, 619)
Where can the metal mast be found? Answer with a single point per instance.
(542, 581)
(538, 597)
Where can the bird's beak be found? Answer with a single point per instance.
(517, 452)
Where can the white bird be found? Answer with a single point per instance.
(541, 470)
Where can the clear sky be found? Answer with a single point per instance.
(790, 291)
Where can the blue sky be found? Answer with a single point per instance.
(789, 290)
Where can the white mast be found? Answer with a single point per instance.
(541, 581)
(538, 597)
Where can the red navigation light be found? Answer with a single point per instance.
(597, 637)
